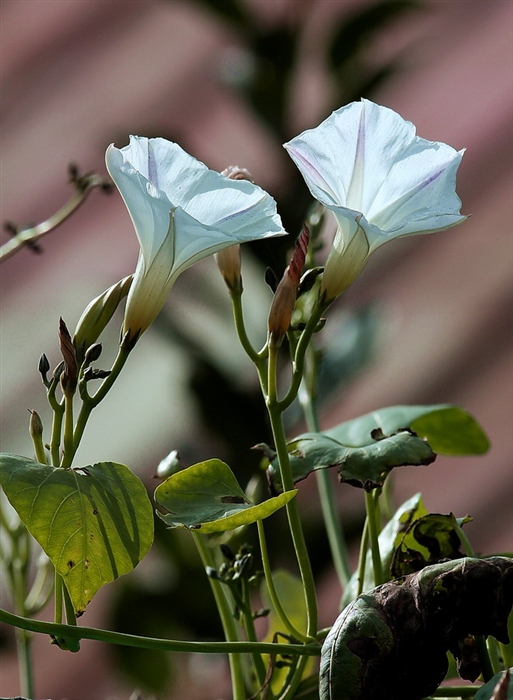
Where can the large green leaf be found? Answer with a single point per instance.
(450, 430)
(365, 466)
(208, 496)
(95, 522)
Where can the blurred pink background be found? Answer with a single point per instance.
(78, 75)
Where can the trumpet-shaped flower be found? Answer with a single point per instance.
(182, 212)
(380, 180)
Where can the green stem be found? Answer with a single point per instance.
(372, 521)
(55, 443)
(132, 640)
(90, 402)
(291, 686)
(362, 558)
(227, 620)
(249, 626)
(300, 355)
(240, 327)
(332, 521)
(58, 607)
(275, 412)
(68, 443)
(272, 589)
(484, 658)
(19, 592)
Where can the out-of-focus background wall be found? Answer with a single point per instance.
(230, 81)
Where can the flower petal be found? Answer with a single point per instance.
(365, 158)
(148, 207)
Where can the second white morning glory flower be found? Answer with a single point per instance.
(381, 181)
(182, 212)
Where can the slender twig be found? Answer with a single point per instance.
(30, 235)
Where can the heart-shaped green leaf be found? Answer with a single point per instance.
(208, 496)
(450, 430)
(95, 522)
(365, 466)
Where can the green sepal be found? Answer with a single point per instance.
(207, 496)
(95, 523)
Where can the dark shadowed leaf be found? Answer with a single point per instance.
(392, 641)
(428, 540)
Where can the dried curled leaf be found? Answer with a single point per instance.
(391, 643)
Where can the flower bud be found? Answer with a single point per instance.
(234, 172)
(69, 374)
(93, 353)
(282, 307)
(44, 368)
(35, 424)
(98, 314)
(228, 262)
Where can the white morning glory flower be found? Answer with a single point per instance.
(182, 212)
(380, 180)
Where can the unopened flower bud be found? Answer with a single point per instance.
(234, 172)
(169, 465)
(228, 262)
(44, 368)
(93, 353)
(35, 424)
(282, 307)
(70, 373)
(98, 314)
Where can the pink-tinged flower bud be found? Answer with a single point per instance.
(282, 307)
(70, 372)
(234, 172)
(229, 264)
